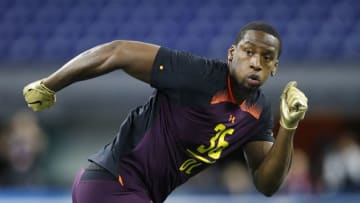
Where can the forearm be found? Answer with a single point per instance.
(274, 168)
(89, 64)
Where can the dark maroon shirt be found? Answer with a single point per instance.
(188, 124)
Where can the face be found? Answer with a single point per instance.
(253, 59)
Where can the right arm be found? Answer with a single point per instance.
(135, 58)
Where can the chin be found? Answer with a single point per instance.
(249, 88)
(253, 88)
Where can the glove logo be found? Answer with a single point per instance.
(36, 102)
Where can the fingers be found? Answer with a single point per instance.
(296, 99)
(288, 86)
(291, 84)
(293, 106)
(34, 107)
(38, 97)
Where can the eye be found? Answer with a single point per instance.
(268, 58)
(249, 52)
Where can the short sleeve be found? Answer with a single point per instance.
(181, 71)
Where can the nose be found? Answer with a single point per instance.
(255, 62)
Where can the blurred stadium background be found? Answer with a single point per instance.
(41, 153)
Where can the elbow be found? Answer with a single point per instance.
(267, 188)
(116, 46)
(268, 191)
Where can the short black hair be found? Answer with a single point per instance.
(262, 26)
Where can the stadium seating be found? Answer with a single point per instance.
(45, 30)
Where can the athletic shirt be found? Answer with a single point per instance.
(188, 124)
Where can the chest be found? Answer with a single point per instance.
(212, 127)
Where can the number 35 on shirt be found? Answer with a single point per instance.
(208, 154)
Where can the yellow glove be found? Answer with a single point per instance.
(293, 106)
(38, 96)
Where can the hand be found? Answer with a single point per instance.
(293, 105)
(38, 96)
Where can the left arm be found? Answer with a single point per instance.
(270, 163)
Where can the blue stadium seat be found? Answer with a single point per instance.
(294, 47)
(63, 4)
(180, 13)
(166, 33)
(4, 49)
(194, 44)
(303, 28)
(293, 4)
(134, 30)
(9, 32)
(85, 44)
(162, 41)
(231, 27)
(111, 13)
(312, 13)
(260, 4)
(345, 12)
(6, 4)
(39, 30)
(50, 15)
(32, 5)
(127, 4)
(324, 4)
(351, 47)
(228, 4)
(214, 14)
(323, 47)
(338, 29)
(72, 31)
(84, 14)
(202, 28)
(246, 13)
(95, 4)
(167, 27)
(145, 13)
(56, 49)
(355, 28)
(104, 31)
(305, 25)
(280, 17)
(18, 16)
(24, 49)
(189, 4)
(219, 46)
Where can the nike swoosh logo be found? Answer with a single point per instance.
(36, 102)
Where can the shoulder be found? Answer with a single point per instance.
(185, 71)
(182, 58)
(261, 102)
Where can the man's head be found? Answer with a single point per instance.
(255, 54)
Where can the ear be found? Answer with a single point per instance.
(274, 69)
(231, 53)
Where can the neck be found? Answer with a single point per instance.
(238, 93)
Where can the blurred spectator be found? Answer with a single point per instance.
(341, 167)
(24, 143)
(236, 178)
(206, 182)
(298, 179)
(2, 148)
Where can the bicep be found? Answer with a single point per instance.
(135, 58)
(255, 152)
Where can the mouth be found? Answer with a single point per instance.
(253, 80)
